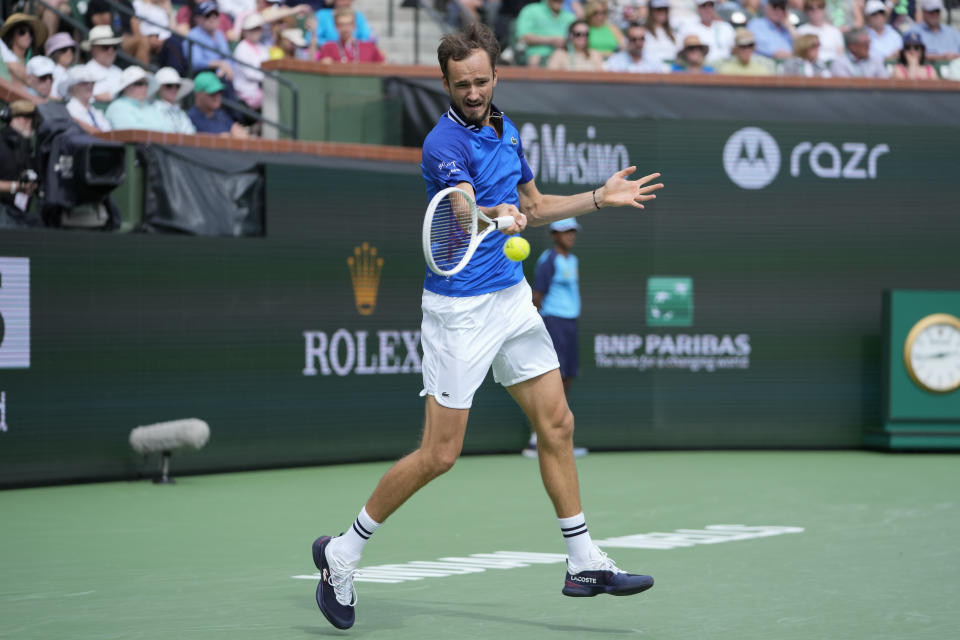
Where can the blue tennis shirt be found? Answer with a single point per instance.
(455, 151)
(558, 278)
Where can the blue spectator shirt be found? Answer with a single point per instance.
(219, 123)
(455, 151)
(327, 28)
(201, 57)
(886, 44)
(679, 68)
(770, 37)
(558, 278)
(944, 40)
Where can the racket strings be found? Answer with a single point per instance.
(450, 231)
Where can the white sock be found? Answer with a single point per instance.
(533, 440)
(575, 534)
(350, 545)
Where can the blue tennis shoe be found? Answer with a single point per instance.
(336, 595)
(601, 575)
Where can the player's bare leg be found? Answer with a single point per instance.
(442, 441)
(338, 558)
(532, 447)
(589, 571)
(545, 403)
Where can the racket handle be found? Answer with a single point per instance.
(503, 222)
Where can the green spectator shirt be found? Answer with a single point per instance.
(539, 20)
(603, 39)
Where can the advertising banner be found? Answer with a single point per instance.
(741, 308)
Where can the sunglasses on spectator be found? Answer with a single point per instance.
(931, 11)
(22, 29)
(913, 47)
(878, 13)
(580, 34)
(171, 86)
(212, 14)
(46, 78)
(106, 46)
(747, 46)
(637, 39)
(139, 83)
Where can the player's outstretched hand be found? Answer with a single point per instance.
(519, 220)
(620, 192)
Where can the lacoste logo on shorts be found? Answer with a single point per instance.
(444, 394)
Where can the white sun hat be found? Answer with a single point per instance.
(169, 75)
(133, 74)
(75, 75)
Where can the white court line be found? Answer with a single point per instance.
(480, 562)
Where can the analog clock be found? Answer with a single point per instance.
(931, 353)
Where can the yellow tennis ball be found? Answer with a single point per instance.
(516, 248)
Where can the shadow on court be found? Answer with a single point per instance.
(390, 615)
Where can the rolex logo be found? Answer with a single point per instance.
(365, 269)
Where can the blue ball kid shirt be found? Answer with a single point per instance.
(558, 278)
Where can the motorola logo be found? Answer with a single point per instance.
(751, 158)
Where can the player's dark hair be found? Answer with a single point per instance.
(461, 45)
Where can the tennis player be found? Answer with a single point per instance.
(482, 317)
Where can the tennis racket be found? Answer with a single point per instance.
(453, 228)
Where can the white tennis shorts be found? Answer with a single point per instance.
(463, 337)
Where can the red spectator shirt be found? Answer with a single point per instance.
(356, 51)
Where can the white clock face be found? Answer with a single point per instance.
(935, 357)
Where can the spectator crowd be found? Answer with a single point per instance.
(204, 52)
(210, 54)
(811, 38)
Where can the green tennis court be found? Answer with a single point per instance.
(834, 545)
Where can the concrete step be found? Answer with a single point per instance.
(377, 14)
(401, 52)
(399, 47)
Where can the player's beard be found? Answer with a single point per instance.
(481, 119)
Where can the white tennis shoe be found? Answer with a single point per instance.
(341, 579)
(336, 595)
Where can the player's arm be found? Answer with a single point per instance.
(504, 209)
(618, 191)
